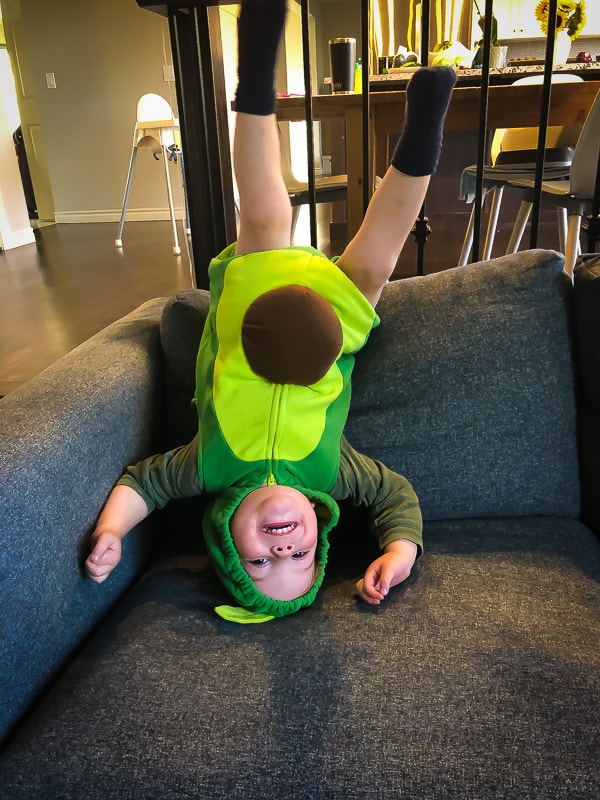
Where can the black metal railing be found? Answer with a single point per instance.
(202, 103)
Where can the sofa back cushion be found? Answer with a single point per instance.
(181, 328)
(466, 387)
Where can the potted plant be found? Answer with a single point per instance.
(497, 52)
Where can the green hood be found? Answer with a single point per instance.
(258, 607)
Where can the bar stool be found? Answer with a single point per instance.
(573, 198)
(514, 153)
(158, 129)
(328, 188)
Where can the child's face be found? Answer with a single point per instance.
(274, 530)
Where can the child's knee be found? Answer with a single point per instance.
(268, 215)
(267, 224)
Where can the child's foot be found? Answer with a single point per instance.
(260, 25)
(427, 99)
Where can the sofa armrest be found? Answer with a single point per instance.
(65, 437)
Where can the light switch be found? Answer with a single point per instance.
(50, 80)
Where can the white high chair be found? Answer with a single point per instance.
(158, 129)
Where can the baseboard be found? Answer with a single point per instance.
(12, 239)
(133, 215)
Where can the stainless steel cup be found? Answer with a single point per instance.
(342, 60)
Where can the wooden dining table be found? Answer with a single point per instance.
(512, 106)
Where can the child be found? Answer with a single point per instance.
(283, 325)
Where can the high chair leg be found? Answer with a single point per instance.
(176, 247)
(119, 239)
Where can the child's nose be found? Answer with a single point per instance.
(283, 550)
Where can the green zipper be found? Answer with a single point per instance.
(274, 417)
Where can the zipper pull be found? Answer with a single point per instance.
(271, 479)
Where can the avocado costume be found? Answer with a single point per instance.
(272, 395)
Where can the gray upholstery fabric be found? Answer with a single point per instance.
(476, 680)
(65, 437)
(181, 327)
(467, 389)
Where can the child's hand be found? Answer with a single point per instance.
(104, 557)
(388, 570)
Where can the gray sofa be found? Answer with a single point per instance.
(478, 678)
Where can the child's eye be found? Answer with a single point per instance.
(259, 562)
(300, 554)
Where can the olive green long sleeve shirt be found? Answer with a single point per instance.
(393, 506)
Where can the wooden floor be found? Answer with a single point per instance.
(73, 282)
(58, 292)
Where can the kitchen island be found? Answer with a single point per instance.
(519, 68)
(508, 107)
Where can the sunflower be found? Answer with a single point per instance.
(570, 16)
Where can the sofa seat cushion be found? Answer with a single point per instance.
(478, 678)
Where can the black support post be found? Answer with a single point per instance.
(421, 229)
(202, 103)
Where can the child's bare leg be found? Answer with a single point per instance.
(265, 210)
(371, 256)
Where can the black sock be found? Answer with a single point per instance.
(260, 26)
(427, 98)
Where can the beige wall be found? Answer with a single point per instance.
(104, 54)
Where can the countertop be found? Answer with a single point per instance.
(498, 76)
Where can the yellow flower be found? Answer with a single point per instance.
(570, 16)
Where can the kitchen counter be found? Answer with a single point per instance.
(498, 76)
(509, 106)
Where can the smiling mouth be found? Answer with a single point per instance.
(279, 528)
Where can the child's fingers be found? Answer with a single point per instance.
(103, 558)
(386, 576)
(101, 555)
(366, 595)
(99, 569)
(105, 549)
(367, 587)
(98, 574)
(372, 580)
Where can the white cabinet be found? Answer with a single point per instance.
(516, 19)
(592, 14)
